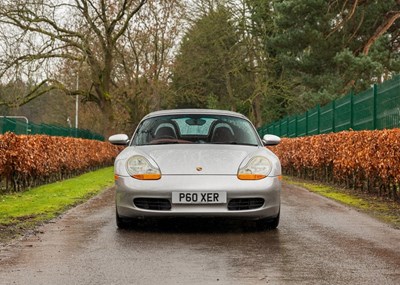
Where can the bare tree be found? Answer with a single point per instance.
(38, 37)
(146, 54)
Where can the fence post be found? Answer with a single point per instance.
(319, 119)
(333, 116)
(307, 123)
(287, 126)
(374, 119)
(351, 110)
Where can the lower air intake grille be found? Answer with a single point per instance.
(245, 204)
(152, 204)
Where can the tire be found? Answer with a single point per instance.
(268, 223)
(121, 223)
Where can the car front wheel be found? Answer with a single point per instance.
(268, 223)
(121, 223)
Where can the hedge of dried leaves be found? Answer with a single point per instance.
(366, 160)
(27, 161)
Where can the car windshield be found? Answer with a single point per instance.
(211, 129)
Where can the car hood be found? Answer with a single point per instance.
(195, 159)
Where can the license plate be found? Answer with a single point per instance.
(198, 197)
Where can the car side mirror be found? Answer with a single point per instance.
(120, 139)
(269, 140)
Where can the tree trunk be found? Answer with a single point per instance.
(107, 118)
(257, 111)
(230, 92)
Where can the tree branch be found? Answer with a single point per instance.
(391, 17)
(128, 19)
(348, 17)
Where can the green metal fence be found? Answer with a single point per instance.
(375, 108)
(20, 127)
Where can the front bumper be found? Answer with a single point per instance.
(128, 189)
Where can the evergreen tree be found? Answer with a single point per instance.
(328, 48)
(207, 64)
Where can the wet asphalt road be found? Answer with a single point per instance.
(317, 242)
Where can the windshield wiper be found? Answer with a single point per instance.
(236, 143)
(165, 142)
(249, 144)
(169, 141)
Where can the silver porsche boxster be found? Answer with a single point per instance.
(197, 163)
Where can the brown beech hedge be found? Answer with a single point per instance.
(365, 160)
(27, 161)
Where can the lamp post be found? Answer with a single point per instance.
(77, 102)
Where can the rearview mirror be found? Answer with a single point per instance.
(271, 140)
(195, 122)
(120, 139)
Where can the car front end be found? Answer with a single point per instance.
(193, 176)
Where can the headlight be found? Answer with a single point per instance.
(140, 168)
(257, 168)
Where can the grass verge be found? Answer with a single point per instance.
(23, 211)
(385, 210)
